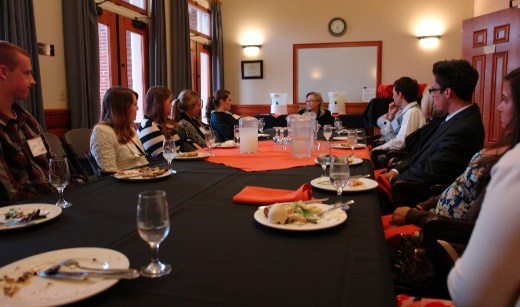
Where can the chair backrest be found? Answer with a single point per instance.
(78, 143)
(95, 167)
(55, 144)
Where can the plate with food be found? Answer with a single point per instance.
(143, 173)
(19, 216)
(193, 155)
(347, 146)
(226, 144)
(351, 161)
(344, 138)
(263, 135)
(22, 287)
(298, 216)
(354, 185)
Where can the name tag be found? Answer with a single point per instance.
(36, 146)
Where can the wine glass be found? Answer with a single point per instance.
(352, 140)
(338, 124)
(153, 225)
(327, 131)
(261, 125)
(210, 140)
(169, 152)
(59, 177)
(236, 135)
(323, 156)
(339, 175)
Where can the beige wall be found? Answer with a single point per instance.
(483, 7)
(280, 24)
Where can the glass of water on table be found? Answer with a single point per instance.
(169, 152)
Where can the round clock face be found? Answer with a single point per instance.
(337, 26)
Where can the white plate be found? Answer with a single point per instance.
(344, 138)
(200, 155)
(345, 146)
(225, 145)
(40, 291)
(324, 183)
(346, 131)
(356, 161)
(53, 210)
(330, 219)
(139, 178)
(263, 135)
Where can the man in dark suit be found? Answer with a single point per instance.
(445, 155)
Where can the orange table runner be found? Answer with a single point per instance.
(268, 158)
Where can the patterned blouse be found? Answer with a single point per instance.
(458, 197)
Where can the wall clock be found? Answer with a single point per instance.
(337, 26)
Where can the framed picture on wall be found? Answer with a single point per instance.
(252, 69)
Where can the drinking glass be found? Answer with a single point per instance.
(323, 156)
(153, 225)
(276, 137)
(236, 135)
(339, 175)
(352, 140)
(327, 131)
(338, 124)
(59, 177)
(261, 125)
(169, 152)
(210, 140)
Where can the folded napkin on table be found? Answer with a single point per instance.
(265, 196)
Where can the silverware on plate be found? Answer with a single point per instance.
(290, 202)
(54, 271)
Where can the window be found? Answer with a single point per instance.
(200, 19)
(123, 54)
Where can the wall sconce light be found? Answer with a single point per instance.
(429, 41)
(251, 49)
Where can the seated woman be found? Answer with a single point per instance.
(186, 111)
(156, 126)
(218, 112)
(315, 104)
(114, 143)
(456, 200)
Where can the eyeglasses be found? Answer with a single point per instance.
(433, 89)
(307, 101)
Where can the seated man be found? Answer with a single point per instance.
(24, 152)
(404, 117)
(444, 155)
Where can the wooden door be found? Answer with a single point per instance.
(492, 44)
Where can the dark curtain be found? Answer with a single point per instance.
(181, 58)
(17, 27)
(157, 58)
(80, 31)
(217, 48)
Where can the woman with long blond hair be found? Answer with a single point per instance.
(157, 126)
(186, 111)
(114, 142)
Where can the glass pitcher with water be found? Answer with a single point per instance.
(248, 134)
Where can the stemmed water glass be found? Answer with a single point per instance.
(210, 140)
(59, 177)
(339, 175)
(276, 137)
(338, 124)
(323, 156)
(169, 152)
(236, 135)
(327, 131)
(261, 125)
(153, 225)
(352, 140)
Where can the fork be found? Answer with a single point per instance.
(334, 207)
(75, 264)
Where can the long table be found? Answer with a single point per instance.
(219, 253)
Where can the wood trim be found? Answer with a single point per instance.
(57, 121)
(496, 32)
(479, 63)
(480, 42)
(498, 72)
(254, 109)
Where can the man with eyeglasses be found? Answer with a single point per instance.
(444, 155)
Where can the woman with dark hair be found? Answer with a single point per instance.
(314, 103)
(157, 126)
(218, 112)
(114, 143)
(186, 111)
(488, 273)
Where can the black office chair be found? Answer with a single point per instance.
(77, 143)
(57, 147)
(95, 167)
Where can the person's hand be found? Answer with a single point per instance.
(388, 175)
(399, 217)
(392, 110)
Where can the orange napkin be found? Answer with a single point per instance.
(393, 232)
(384, 187)
(265, 196)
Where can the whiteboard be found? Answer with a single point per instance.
(338, 67)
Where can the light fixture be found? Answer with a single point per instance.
(251, 47)
(429, 36)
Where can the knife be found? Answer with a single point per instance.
(312, 201)
(83, 275)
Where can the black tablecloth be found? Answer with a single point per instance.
(220, 255)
